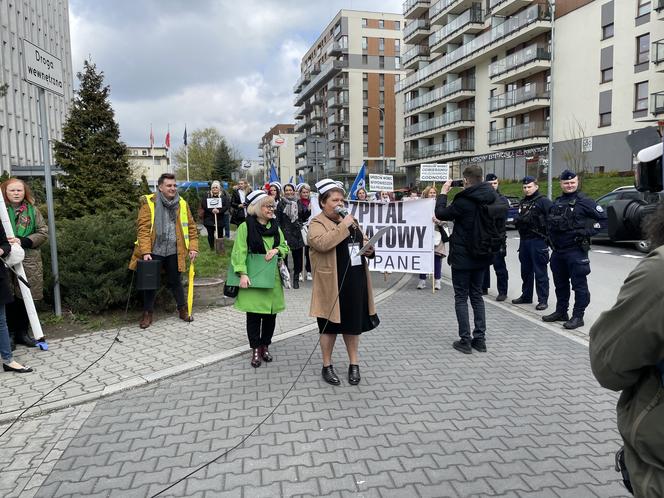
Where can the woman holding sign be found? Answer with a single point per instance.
(214, 206)
(342, 298)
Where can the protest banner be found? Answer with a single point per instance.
(408, 244)
(381, 182)
(434, 172)
(214, 202)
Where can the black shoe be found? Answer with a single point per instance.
(256, 357)
(463, 345)
(574, 323)
(522, 300)
(478, 345)
(296, 282)
(354, 374)
(556, 316)
(23, 370)
(501, 297)
(485, 292)
(25, 339)
(541, 306)
(265, 354)
(330, 376)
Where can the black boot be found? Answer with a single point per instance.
(22, 337)
(296, 281)
(354, 374)
(330, 376)
(463, 345)
(556, 316)
(574, 323)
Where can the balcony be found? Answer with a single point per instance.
(315, 69)
(337, 84)
(338, 136)
(317, 115)
(327, 70)
(335, 49)
(412, 9)
(416, 31)
(657, 103)
(457, 90)
(302, 152)
(658, 6)
(335, 102)
(657, 55)
(471, 21)
(528, 23)
(302, 125)
(519, 135)
(454, 120)
(520, 65)
(337, 154)
(506, 7)
(317, 99)
(521, 100)
(439, 10)
(335, 120)
(415, 55)
(449, 150)
(301, 139)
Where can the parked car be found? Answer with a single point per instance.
(513, 211)
(622, 193)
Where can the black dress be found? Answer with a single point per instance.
(353, 293)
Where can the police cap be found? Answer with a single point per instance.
(528, 179)
(490, 177)
(567, 175)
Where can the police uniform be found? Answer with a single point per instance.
(498, 261)
(572, 220)
(533, 250)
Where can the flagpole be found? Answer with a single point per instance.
(154, 181)
(186, 149)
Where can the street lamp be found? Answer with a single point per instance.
(382, 141)
(549, 168)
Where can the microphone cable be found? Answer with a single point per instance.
(279, 403)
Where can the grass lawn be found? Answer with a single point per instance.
(592, 186)
(209, 263)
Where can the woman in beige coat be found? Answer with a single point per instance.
(342, 298)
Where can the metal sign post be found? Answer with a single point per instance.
(45, 72)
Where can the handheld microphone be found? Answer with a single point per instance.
(341, 211)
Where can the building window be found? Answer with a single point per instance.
(381, 97)
(605, 119)
(397, 45)
(381, 61)
(381, 80)
(641, 96)
(607, 31)
(365, 59)
(643, 48)
(607, 75)
(364, 22)
(397, 63)
(365, 43)
(643, 7)
(397, 25)
(381, 23)
(381, 44)
(365, 94)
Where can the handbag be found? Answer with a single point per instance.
(284, 274)
(304, 231)
(231, 290)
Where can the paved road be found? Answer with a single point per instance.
(610, 265)
(525, 419)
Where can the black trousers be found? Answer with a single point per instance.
(17, 317)
(260, 329)
(210, 234)
(298, 257)
(173, 281)
(307, 264)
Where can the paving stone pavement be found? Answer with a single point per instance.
(142, 355)
(525, 419)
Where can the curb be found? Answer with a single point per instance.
(143, 380)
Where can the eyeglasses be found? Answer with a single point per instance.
(271, 206)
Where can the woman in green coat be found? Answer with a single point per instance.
(259, 234)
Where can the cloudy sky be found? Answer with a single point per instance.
(229, 64)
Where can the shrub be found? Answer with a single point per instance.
(93, 254)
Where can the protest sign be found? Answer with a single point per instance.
(407, 246)
(434, 172)
(214, 202)
(381, 182)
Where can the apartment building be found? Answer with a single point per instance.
(46, 25)
(149, 162)
(346, 104)
(278, 147)
(480, 75)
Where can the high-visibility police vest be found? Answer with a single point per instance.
(184, 219)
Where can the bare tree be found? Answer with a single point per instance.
(572, 151)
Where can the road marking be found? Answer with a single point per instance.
(601, 251)
(632, 256)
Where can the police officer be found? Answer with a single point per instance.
(573, 219)
(533, 250)
(498, 261)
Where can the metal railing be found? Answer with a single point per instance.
(518, 96)
(658, 51)
(440, 149)
(409, 4)
(440, 121)
(519, 58)
(325, 71)
(519, 132)
(658, 5)
(657, 103)
(340, 101)
(413, 26)
(456, 86)
(416, 51)
(534, 13)
(470, 16)
(440, 6)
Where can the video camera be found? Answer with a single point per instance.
(626, 216)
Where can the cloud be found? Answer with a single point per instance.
(226, 64)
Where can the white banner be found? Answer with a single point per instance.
(434, 172)
(408, 244)
(381, 182)
(214, 202)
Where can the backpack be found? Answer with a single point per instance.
(488, 233)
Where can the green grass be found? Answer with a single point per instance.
(592, 186)
(209, 263)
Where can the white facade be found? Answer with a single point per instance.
(151, 162)
(45, 24)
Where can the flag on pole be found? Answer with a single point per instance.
(273, 174)
(151, 137)
(359, 182)
(300, 179)
(291, 180)
(167, 142)
(184, 138)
